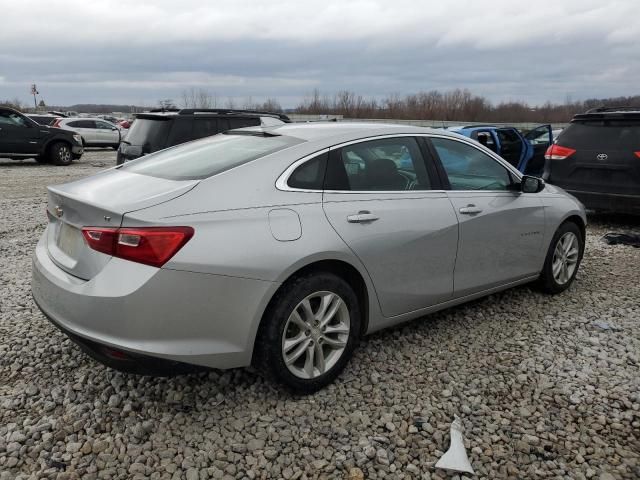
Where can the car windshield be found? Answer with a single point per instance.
(208, 156)
(149, 133)
(602, 134)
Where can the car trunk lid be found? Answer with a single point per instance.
(99, 201)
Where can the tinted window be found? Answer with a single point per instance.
(601, 135)
(12, 118)
(149, 133)
(104, 126)
(82, 124)
(309, 175)
(470, 169)
(393, 164)
(243, 122)
(204, 127)
(208, 156)
(180, 131)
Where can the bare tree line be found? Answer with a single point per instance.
(453, 105)
(456, 105)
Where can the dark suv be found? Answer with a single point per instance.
(597, 159)
(22, 137)
(160, 129)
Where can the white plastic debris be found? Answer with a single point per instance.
(456, 457)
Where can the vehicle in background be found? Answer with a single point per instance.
(597, 159)
(109, 118)
(523, 151)
(125, 123)
(282, 246)
(95, 132)
(21, 137)
(43, 119)
(159, 129)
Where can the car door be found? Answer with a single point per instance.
(106, 133)
(512, 146)
(500, 229)
(379, 196)
(539, 138)
(18, 134)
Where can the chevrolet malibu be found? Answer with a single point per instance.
(280, 247)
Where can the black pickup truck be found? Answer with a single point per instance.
(21, 137)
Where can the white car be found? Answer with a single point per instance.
(95, 132)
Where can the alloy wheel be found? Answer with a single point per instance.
(565, 258)
(316, 334)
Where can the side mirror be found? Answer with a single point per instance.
(531, 184)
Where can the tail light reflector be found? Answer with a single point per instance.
(557, 152)
(149, 245)
(637, 154)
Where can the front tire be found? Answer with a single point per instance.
(60, 154)
(309, 332)
(563, 259)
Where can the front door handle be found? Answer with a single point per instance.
(363, 216)
(470, 210)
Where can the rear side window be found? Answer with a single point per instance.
(310, 175)
(208, 156)
(149, 133)
(180, 131)
(602, 135)
(243, 122)
(393, 164)
(204, 127)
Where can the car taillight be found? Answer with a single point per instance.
(57, 123)
(149, 245)
(557, 152)
(637, 154)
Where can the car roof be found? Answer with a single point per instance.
(613, 113)
(313, 131)
(214, 112)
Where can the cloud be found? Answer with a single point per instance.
(117, 50)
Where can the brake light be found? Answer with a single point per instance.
(57, 123)
(557, 152)
(149, 245)
(637, 154)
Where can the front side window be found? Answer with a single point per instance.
(208, 156)
(13, 119)
(392, 164)
(103, 126)
(468, 168)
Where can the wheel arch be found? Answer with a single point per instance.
(341, 268)
(52, 141)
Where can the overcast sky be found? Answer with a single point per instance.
(139, 51)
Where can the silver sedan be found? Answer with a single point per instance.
(282, 246)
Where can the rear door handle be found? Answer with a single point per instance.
(470, 210)
(363, 216)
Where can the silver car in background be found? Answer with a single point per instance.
(95, 132)
(283, 246)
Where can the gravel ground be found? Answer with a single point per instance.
(543, 392)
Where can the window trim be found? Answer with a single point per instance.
(282, 180)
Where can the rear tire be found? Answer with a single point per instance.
(308, 333)
(60, 154)
(563, 259)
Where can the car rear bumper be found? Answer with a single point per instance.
(141, 311)
(609, 202)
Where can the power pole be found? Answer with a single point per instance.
(34, 92)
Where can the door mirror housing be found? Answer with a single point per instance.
(531, 184)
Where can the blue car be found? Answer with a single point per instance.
(525, 152)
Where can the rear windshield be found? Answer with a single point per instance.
(602, 134)
(208, 156)
(149, 133)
